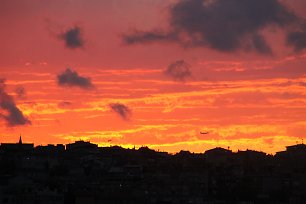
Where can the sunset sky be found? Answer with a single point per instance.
(154, 73)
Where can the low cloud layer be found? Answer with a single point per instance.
(178, 70)
(226, 25)
(70, 78)
(73, 38)
(122, 110)
(9, 111)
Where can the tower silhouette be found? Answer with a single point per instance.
(20, 140)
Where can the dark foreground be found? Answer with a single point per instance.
(84, 173)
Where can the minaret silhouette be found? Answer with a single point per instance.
(20, 140)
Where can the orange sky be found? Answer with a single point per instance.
(242, 98)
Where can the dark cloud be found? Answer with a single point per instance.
(122, 110)
(73, 37)
(261, 45)
(71, 78)
(9, 111)
(297, 40)
(225, 25)
(178, 70)
(20, 92)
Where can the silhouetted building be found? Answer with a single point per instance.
(50, 148)
(299, 148)
(81, 145)
(14, 147)
(218, 155)
(294, 150)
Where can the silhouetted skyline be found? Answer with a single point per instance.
(82, 172)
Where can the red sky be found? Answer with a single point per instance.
(243, 98)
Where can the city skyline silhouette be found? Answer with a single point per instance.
(82, 172)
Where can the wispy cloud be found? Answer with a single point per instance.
(178, 70)
(20, 92)
(122, 110)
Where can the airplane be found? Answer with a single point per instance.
(204, 133)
